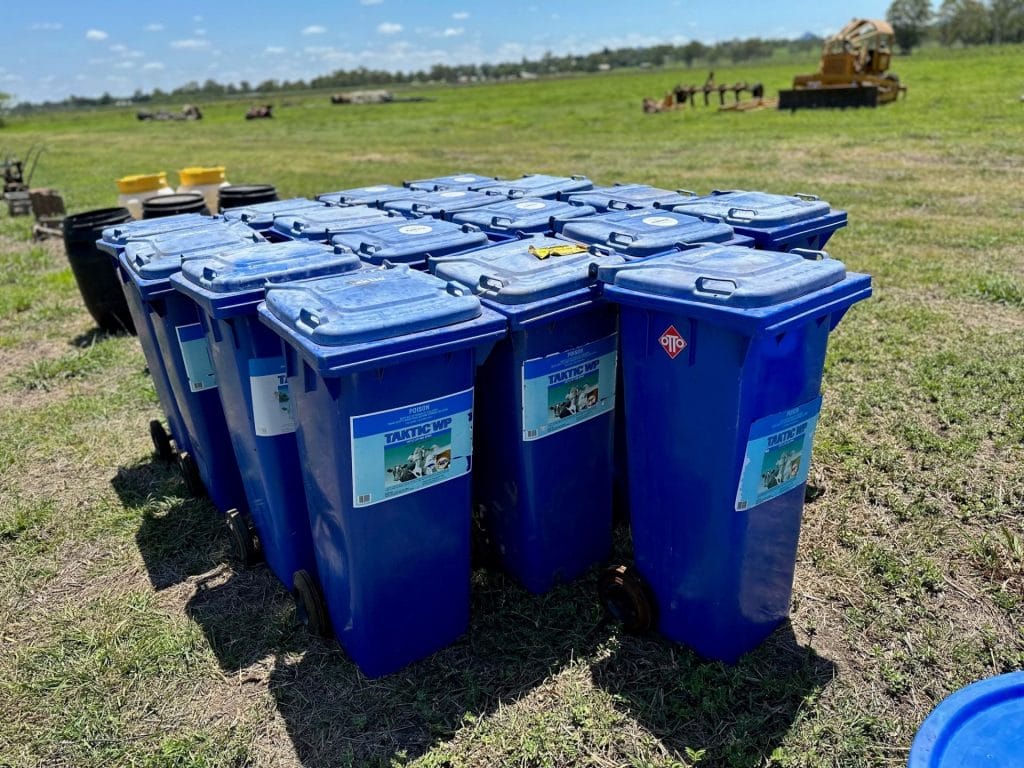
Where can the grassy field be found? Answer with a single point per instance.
(127, 637)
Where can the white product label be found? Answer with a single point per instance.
(452, 193)
(195, 353)
(660, 221)
(271, 403)
(464, 179)
(530, 205)
(415, 229)
(380, 188)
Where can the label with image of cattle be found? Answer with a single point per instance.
(408, 449)
(566, 388)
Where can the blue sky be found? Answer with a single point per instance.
(61, 47)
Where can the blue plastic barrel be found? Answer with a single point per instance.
(440, 204)
(248, 360)
(261, 216)
(323, 223)
(145, 267)
(381, 365)
(641, 233)
(410, 242)
(544, 408)
(537, 185)
(533, 215)
(980, 725)
(722, 350)
(621, 197)
(775, 222)
(374, 195)
(452, 181)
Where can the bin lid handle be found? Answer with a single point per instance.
(490, 283)
(209, 273)
(454, 288)
(806, 197)
(368, 248)
(736, 214)
(810, 255)
(417, 207)
(710, 219)
(501, 221)
(618, 205)
(716, 286)
(622, 238)
(686, 193)
(310, 319)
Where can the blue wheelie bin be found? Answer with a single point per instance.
(722, 350)
(535, 216)
(145, 268)
(641, 233)
(536, 185)
(545, 407)
(410, 241)
(381, 366)
(323, 223)
(453, 181)
(248, 359)
(442, 204)
(621, 197)
(261, 216)
(775, 222)
(373, 196)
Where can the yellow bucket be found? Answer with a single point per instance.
(197, 176)
(141, 182)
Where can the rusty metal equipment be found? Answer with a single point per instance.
(16, 183)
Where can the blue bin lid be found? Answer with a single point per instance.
(326, 221)
(120, 234)
(262, 215)
(160, 256)
(373, 195)
(728, 276)
(538, 185)
(759, 210)
(980, 725)
(440, 203)
(410, 241)
(453, 181)
(640, 233)
(369, 305)
(513, 274)
(628, 196)
(533, 215)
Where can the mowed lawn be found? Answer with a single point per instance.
(127, 636)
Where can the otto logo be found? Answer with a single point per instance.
(415, 229)
(530, 205)
(464, 179)
(660, 221)
(672, 342)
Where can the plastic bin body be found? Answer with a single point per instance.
(97, 281)
(544, 409)
(775, 222)
(723, 350)
(380, 365)
(641, 233)
(531, 216)
(537, 185)
(323, 223)
(454, 181)
(410, 241)
(621, 197)
(178, 338)
(440, 204)
(261, 215)
(374, 195)
(249, 361)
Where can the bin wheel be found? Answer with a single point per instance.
(627, 598)
(161, 441)
(190, 474)
(243, 535)
(813, 491)
(309, 604)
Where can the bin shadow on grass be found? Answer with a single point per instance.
(739, 714)
(337, 717)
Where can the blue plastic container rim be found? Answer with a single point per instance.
(946, 737)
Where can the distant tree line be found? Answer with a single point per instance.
(957, 22)
(688, 54)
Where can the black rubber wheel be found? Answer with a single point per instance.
(627, 598)
(813, 492)
(161, 441)
(310, 607)
(190, 474)
(244, 538)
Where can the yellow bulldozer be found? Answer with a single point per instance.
(852, 72)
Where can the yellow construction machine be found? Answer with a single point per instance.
(852, 72)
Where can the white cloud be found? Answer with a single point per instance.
(460, 15)
(389, 28)
(274, 50)
(370, 2)
(452, 32)
(47, 26)
(96, 34)
(190, 43)
(314, 29)
(154, 27)
(12, 78)
(127, 64)
(118, 48)
(152, 65)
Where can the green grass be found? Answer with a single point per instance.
(129, 638)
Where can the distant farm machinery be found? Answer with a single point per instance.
(682, 95)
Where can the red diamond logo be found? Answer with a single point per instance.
(672, 342)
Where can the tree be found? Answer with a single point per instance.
(909, 19)
(1007, 21)
(964, 21)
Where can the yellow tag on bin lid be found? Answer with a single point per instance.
(569, 249)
